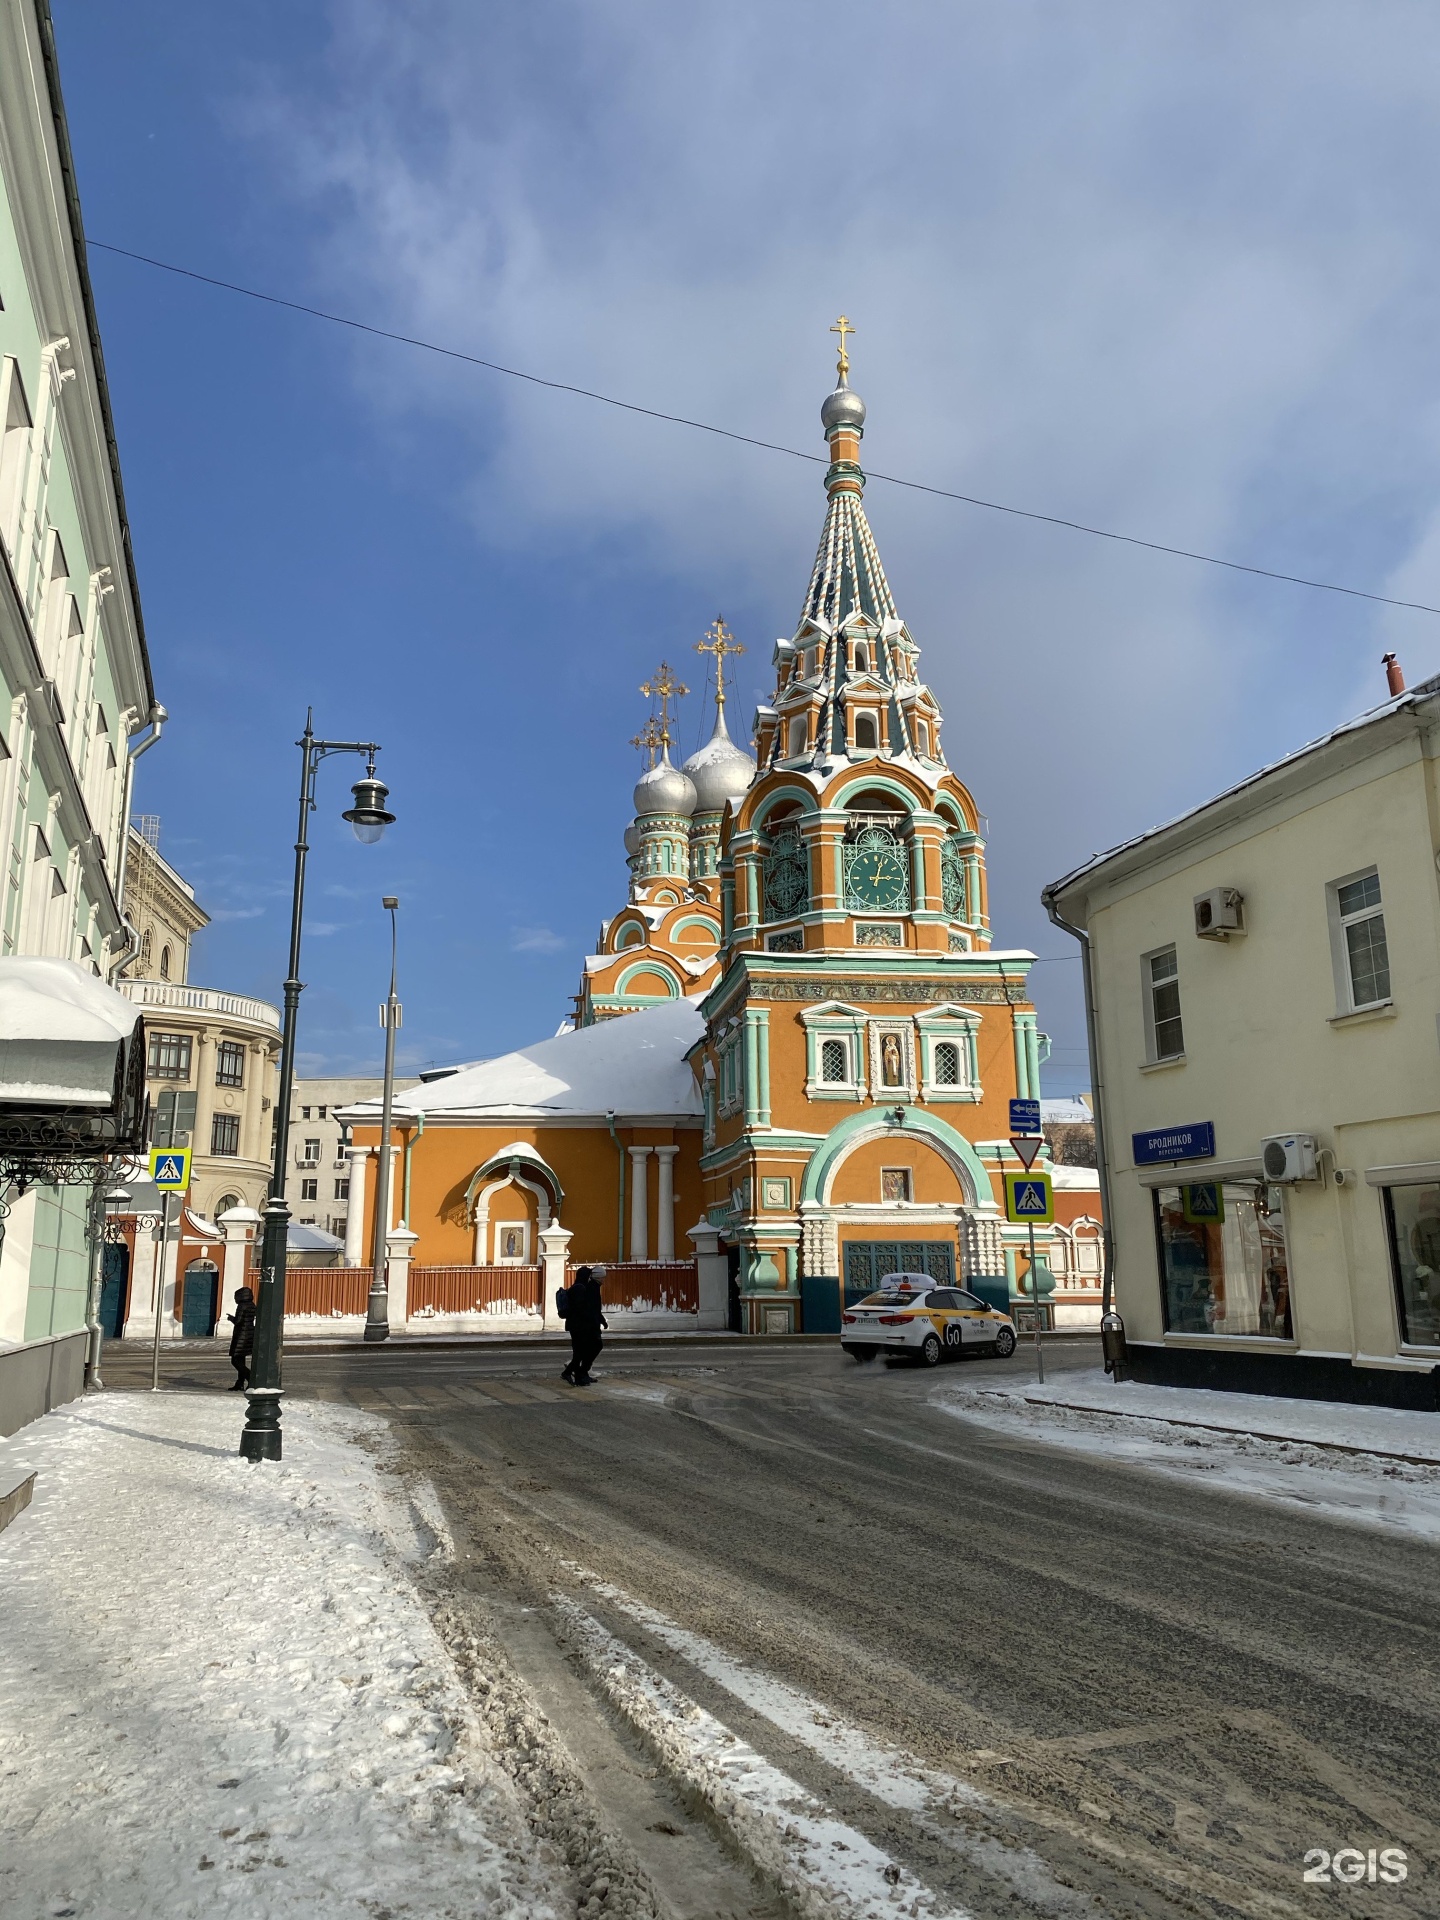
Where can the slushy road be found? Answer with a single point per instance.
(1167, 1694)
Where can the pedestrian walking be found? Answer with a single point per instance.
(585, 1318)
(562, 1307)
(242, 1340)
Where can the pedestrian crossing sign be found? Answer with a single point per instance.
(1029, 1197)
(1203, 1204)
(170, 1168)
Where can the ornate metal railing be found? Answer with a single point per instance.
(492, 1290)
(649, 1286)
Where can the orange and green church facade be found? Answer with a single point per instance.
(795, 1044)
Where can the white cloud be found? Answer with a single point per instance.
(1158, 269)
(537, 940)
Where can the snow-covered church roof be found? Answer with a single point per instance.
(627, 1066)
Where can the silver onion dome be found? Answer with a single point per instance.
(842, 408)
(632, 838)
(664, 789)
(720, 771)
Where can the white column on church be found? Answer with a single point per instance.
(665, 1202)
(355, 1207)
(639, 1205)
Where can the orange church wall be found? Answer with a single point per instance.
(585, 1163)
(932, 1180)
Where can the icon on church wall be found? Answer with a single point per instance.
(895, 1183)
(512, 1246)
(892, 1073)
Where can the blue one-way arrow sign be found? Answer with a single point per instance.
(1024, 1117)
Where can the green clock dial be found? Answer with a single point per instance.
(877, 872)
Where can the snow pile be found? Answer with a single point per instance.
(1376, 1465)
(219, 1691)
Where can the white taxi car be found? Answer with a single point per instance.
(910, 1317)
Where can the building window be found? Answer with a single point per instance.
(304, 1113)
(922, 738)
(169, 1056)
(321, 1112)
(225, 1203)
(342, 1189)
(165, 963)
(946, 1058)
(895, 1183)
(1365, 955)
(225, 1133)
(834, 1062)
(174, 1119)
(309, 1189)
(1223, 1261)
(1162, 1001)
(862, 657)
(230, 1064)
(866, 737)
(1412, 1217)
(797, 737)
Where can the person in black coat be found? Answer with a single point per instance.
(585, 1317)
(242, 1340)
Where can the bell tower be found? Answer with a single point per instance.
(865, 1035)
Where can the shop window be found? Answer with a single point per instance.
(169, 1056)
(1224, 1267)
(225, 1133)
(230, 1064)
(1165, 1034)
(834, 1062)
(1412, 1217)
(1364, 956)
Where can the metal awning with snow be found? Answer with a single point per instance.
(72, 1062)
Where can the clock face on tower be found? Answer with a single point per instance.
(877, 874)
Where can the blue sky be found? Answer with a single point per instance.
(1172, 269)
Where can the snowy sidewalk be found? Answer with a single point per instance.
(220, 1692)
(1378, 1465)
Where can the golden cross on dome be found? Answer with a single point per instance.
(648, 740)
(664, 687)
(721, 642)
(842, 326)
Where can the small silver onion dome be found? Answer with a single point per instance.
(632, 838)
(664, 789)
(842, 408)
(720, 771)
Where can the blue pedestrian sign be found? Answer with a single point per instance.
(170, 1168)
(1024, 1117)
(1029, 1197)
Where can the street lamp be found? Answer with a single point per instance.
(369, 817)
(377, 1317)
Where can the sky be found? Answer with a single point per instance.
(1170, 269)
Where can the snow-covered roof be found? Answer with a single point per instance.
(301, 1237)
(634, 1064)
(60, 1032)
(1073, 1112)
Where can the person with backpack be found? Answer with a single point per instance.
(585, 1318)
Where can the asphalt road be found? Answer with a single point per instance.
(1167, 1693)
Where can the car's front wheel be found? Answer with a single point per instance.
(1005, 1342)
(931, 1350)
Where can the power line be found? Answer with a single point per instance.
(749, 440)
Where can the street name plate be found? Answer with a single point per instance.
(1193, 1142)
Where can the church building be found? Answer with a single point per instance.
(807, 935)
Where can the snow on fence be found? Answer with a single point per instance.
(493, 1290)
(649, 1286)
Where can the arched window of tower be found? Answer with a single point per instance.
(862, 657)
(797, 737)
(922, 738)
(866, 735)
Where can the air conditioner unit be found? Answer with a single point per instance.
(1289, 1156)
(1219, 913)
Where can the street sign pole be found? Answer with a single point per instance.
(1035, 1296)
(160, 1286)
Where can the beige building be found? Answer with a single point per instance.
(323, 1170)
(1266, 992)
(211, 1056)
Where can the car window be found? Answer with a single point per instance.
(892, 1297)
(947, 1298)
(969, 1300)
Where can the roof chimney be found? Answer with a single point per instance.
(1394, 675)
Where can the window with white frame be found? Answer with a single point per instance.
(949, 1058)
(945, 1060)
(835, 1061)
(1164, 1031)
(1362, 952)
(834, 1052)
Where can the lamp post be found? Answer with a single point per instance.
(377, 1318)
(368, 816)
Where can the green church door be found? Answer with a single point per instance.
(114, 1287)
(868, 1261)
(201, 1300)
